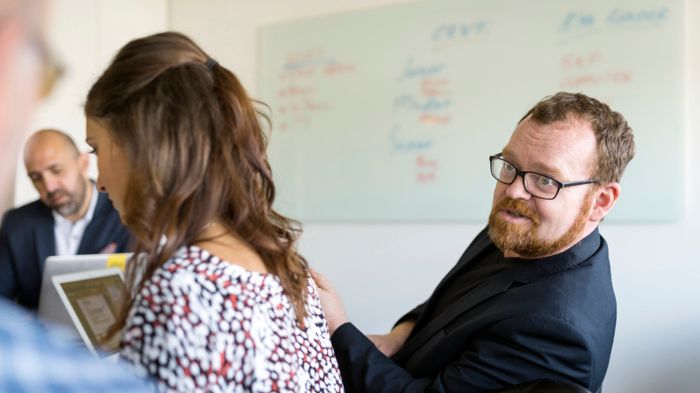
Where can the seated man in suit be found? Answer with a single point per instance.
(70, 217)
(531, 298)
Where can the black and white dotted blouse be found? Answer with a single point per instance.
(203, 324)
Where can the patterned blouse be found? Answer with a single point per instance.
(203, 324)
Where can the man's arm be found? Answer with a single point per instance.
(334, 311)
(411, 315)
(388, 344)
(511, 352)
(393, 341)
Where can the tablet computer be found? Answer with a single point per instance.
(51, 308)
(93, 299)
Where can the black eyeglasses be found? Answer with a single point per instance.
(537, 184)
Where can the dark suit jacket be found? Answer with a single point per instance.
(551, 318)
(27, 238)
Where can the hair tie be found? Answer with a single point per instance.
(211, 63)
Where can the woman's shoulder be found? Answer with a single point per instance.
(196, 275)
(193, 271)
(194, 286)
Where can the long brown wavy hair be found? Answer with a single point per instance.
(197, 153)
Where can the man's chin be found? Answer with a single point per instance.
(66, 210)
(508, 236)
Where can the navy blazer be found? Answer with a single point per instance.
(553, 318)
(27, 238)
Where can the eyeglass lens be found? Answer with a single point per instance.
(537, 185)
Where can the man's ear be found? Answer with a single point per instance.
(604, 199)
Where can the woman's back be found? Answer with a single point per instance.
(181, 151)
(204, 324)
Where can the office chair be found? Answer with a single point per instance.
(545, 386)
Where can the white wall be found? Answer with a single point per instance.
(382, 270)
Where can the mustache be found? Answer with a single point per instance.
(56, 193)
(519, 207)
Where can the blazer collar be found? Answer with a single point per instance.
(534, 269)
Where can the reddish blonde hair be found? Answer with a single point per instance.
(614, 138)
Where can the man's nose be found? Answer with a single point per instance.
(516, 190)
(50, 183)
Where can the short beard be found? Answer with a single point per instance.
(75, 202)
(509, 237)
(69, 208)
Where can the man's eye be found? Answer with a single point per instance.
(545, 181)
(508, 167)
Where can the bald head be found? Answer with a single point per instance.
(58, 171)
(50, 138)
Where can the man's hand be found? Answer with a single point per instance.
(109, 249)
(330, 301)
(393, 341)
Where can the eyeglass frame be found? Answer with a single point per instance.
(518, 172)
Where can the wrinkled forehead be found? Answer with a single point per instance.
(566, 149)
(48, 150)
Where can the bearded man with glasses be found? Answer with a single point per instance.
(531, 298)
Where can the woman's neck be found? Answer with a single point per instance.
(225, 244)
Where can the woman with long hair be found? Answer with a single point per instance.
(221, 299)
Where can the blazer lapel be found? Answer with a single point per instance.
(494, 286)
(480, 244)
(44, 241)
(92, 237)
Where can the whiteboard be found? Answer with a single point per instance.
(390, 114)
